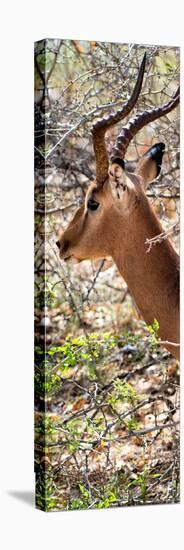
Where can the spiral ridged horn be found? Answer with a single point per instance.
(141, 120)
(101, 126)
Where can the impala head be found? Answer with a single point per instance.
(111, 199)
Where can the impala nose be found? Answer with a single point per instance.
(58, 244)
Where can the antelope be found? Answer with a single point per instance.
(117, 218)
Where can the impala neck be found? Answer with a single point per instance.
(152, 277)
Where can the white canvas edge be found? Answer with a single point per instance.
(153, 23)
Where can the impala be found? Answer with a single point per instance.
(117, 218)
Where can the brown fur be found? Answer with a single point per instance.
(119, 228)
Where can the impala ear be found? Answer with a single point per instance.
(149, 166)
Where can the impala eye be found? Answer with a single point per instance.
(92, 204)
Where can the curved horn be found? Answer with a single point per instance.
(101, 126)
(127, 133)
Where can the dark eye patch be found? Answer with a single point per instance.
(92, 204)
